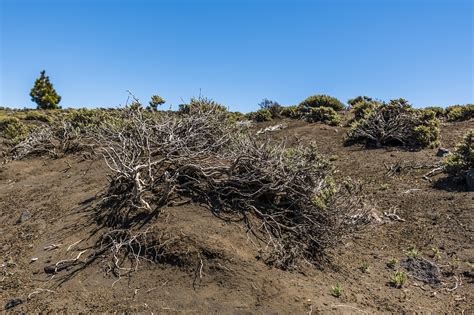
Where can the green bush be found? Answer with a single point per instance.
(326, 115)
(359, 99)
(439, 111)
(34, 115)
(460, 112)
(201, 104)
(292, 112)
(322, 101)
(13, 129)
(395, 123)
(400, 102)
(362, 106)
(462, 159)
(427, 131)
(85, 119)
(274, 108)
(261, 115)
(234, 117)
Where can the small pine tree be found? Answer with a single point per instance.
(156, 101)
(44, 94)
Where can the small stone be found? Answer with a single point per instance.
(25, 215)
(442, 152)
(13, 303)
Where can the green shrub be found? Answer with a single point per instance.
(261, 115)
(34, 115)
(400, 102)
(83, 119)
(274, 108)
(292, 112)
(439, 111)
(359, 99)
(201, 104)
(322, 101)
(427, 131)
(326, 115)
(460, 112)
(234, 117)
(362, 106)
(395, 123)
(13, 129)
(462, 159)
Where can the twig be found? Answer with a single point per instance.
(52, 247)
(37, 291)
(458, 284)
(72, 245)
(432, 173)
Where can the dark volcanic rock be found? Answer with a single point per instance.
(423, 270)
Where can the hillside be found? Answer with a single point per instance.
(212, 266)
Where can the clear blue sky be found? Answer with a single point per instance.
(238, 52)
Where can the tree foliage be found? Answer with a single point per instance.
(44, 94)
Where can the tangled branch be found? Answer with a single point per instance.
(300, 210)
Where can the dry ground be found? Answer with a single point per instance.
(230, 277)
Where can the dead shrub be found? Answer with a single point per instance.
(290, 192)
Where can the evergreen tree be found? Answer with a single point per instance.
(44, 94)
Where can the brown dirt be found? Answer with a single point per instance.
(58, 199)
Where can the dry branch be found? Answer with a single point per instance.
(200, 156)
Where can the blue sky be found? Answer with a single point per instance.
(237, 52)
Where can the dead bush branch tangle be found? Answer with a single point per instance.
(198, 155)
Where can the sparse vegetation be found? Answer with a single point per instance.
(392, 263)
(292, 201)
(413, 253)
(398, 279)
(436, 253)
(336, 291)
(365, 267)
